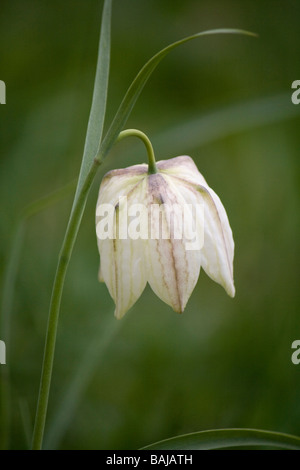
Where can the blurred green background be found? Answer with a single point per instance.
(224, 100)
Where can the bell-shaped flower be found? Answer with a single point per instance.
(161, 228)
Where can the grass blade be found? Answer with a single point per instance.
(88, 170)
(224, 438)
(98, 108)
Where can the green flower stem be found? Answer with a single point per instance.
(136, 133)
(63, 262)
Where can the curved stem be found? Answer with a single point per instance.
(136, 133)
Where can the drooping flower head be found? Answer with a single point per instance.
(161, 228)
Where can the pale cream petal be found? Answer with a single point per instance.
(171, 264)
(123, 260)
(182, 167)
(172, 271)
(117, 183)
(218, 250)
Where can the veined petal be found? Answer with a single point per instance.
(218, 250)
(172, 269)
(123, 259)
(188, 228)
(117, 183)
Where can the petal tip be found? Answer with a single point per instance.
(118, 314)
(179, 308)
(231, 291)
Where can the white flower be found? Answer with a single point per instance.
(129, 259)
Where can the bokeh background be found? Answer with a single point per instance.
(224, 100)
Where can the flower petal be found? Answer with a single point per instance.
(122, 259)
(218, 249)
(172, 270)
(182, 167)
(117, 183)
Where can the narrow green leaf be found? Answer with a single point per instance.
(88, 170)
(224, 438)
(98, 107)
(139, 82)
